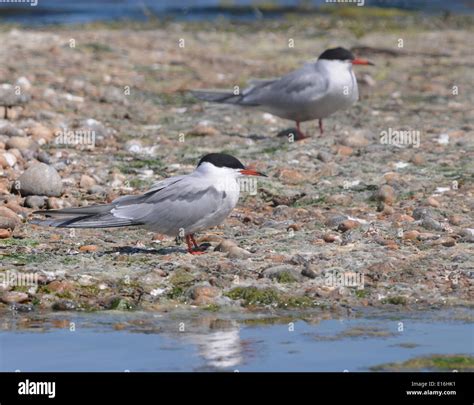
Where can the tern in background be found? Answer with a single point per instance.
(177, 206)
(314, 91)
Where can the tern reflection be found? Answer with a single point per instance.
(219, 343)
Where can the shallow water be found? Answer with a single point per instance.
(84, 11)
(202, 341)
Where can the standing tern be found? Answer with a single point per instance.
(177, 206)
(314, 91)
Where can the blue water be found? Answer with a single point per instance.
(83, 11)
(210, 342)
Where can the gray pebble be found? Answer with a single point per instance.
(35, 201)
(64, 305)
(40, 179)
(430, 223)
(422, 212)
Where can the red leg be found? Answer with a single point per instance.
(194, 241)
(193, 250)
(321, 130)
(302, 134)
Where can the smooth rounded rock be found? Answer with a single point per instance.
(40, 179)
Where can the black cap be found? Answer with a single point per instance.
(337, 54)
(222, 160)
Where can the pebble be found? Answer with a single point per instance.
(421, 212)
(291, 176)
(386, 194)
(340, 199)
(330, 238)
(391, 177)
(446, 241)
(324, 156)
(455, 219)
(203, 129)
(411, 235)
(427, 236)
(86, 280)
(5, 233)
(356, 140)
(432, 224)
(203, 294)
(86, 182)
(347, 225)
(96, 189)
(21, 143)
(386, 209)
(12, 297)
(64, 305)
(368, 80)
(88, 248)
(7, 159)
(43, 157)
(8, 218)
(10, 130)
(432, 202)
(16, 208)
(278, 272)
(335, 220)
(134, 146)
(41, 134)
(232, 250)
(467, 235)
(40, 179)
(418, 159)
(113, 95)
(54, 203)
(35, 201)
(309, 271)
(60, 286)
(4, 187)
(344, 150)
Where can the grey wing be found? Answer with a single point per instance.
(134, 199)
(306, 83)
(180, 205)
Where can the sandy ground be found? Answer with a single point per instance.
(342, 221)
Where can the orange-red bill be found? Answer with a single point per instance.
(251, 172)
(359, 61)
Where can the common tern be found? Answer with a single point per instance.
(314, 91)
(177, 206)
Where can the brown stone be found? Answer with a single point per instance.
(330, 238)
(203, 295)
(432, 202)
(411, 235)
(86, 182)
(347, 225)
(5, 233)
(386, 194)
(291, 176)
(418, 159)
(60, 286)
(88, 248)
(13, 297)
(344, 150)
